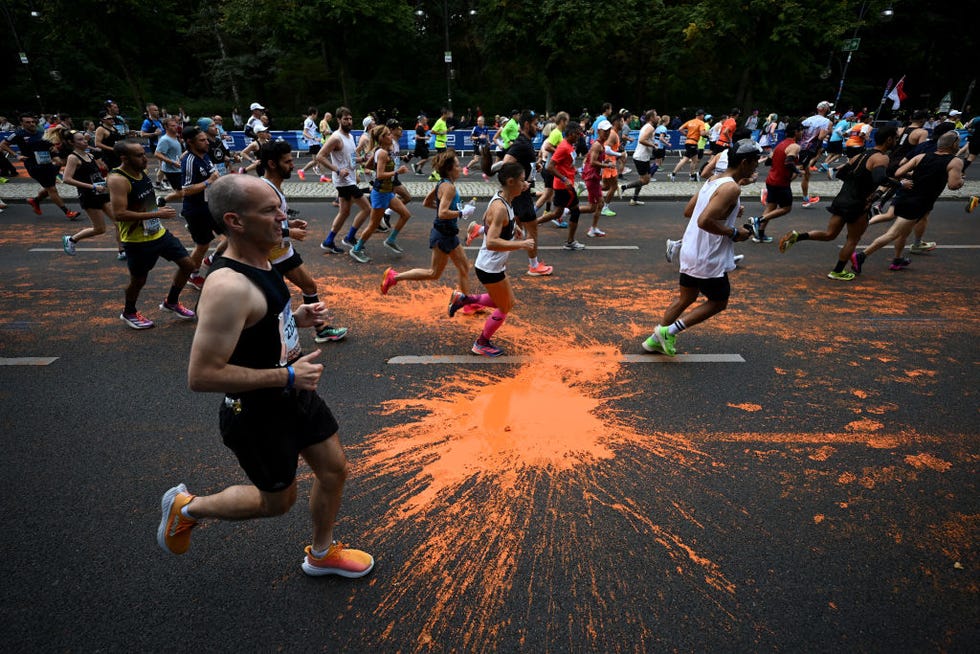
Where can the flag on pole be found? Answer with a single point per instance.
(897, 96)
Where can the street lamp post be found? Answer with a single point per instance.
(448, 56)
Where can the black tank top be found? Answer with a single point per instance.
(272, 342)
(857, 186)
(930, 177)
(110, 158)
(141, 196)
(87, 172)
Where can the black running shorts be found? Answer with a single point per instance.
(142, 256)
(270, 428)
(716, 289)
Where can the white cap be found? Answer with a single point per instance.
(955, 112)
(604, 125)
(824, 105)
(256, 105)
(367, 121)
(260, 128)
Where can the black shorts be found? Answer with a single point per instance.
(914, 210)
(974, 145)
(313, 149)
(565, 198)
(716, 147)
(444, 235)
(489, 277)
(43, 174)
(422, 151)
(849, 213)
(92, 200)
(548, 178)
(835, 147)
(201, 228)
(781, 196)
(658, 154)
(716, 289)
(642, 167)
(270, 430)
(853, 150)
(691, 150)
(806, 156)
(351, 192)
(286, 265)
(523, 206)
(174, 179)
(142, 256)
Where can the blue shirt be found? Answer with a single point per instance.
(169, 147)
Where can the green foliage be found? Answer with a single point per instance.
(552, 54)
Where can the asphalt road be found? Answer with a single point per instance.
(820, 495)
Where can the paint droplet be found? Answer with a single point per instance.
(817, 519)
(823, 453)
(860, 394)
(746, 406)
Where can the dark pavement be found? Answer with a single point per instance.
(820, 496)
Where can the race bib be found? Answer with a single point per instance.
(151, 226)
(289, 336)
(42, 157)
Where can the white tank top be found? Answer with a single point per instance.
(495, 261)
(705, 255)
(344, 158)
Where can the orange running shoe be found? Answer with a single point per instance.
(388, 280)
(174, 533)
(339, 560)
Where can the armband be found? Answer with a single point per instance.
(291, 380)
(734, 233)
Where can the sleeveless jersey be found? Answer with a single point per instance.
(779, 174)
(857, 187)
(87, 172)
(272, 342)
(139, 198)
(705, 255)
(386, 185)
(455, 205)
(344, 158)
(930, 179)
(495, 261)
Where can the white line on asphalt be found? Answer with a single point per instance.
(587, 247)
(27, 361)
(625, 358)
(76, 249)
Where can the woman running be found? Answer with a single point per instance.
(491, 263)
(83, 172)
(382, 194)
(444, 236)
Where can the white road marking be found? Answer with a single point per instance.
(625, 358)
(27, 361)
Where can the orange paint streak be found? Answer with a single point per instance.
(925, 461)
(863, 425)
(823, 453)
(746, 406)
(818, 518)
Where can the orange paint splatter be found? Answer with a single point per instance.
(864, 425)
(860, 394)
(817, 519)
(746, 406)
(823, 453)
(925, 461)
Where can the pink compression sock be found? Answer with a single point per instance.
(483, 300)
(493, 323)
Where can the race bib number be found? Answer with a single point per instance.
(151, 226)
(289, 336)
(42, 157)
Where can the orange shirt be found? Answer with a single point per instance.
(727, 129)
(695, 128)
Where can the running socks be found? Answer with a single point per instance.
(803, 236)
(352, 234)
(839, 268)
(173, 297)
(677, 327)
(331, 235)
(493, 323)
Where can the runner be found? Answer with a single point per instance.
(778, 194)
(646, 145)
(444, 236)
(815, 130)
(144, 238)
(480, 137)
(40, 160)
(548, 147)
(708, 250)
(312, 139)
(247, 347)
(862, 174)
(499, 240)
(197, 174)
(275, 165)
(339, 157)
(421, 144)
(382, 193)
(931, 173)
(400, 189)
(562, 166)
(693, 130)
(82, 171)
(597, 163)
(614, 152)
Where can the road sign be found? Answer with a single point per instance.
(851, 45)
(448, 57)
